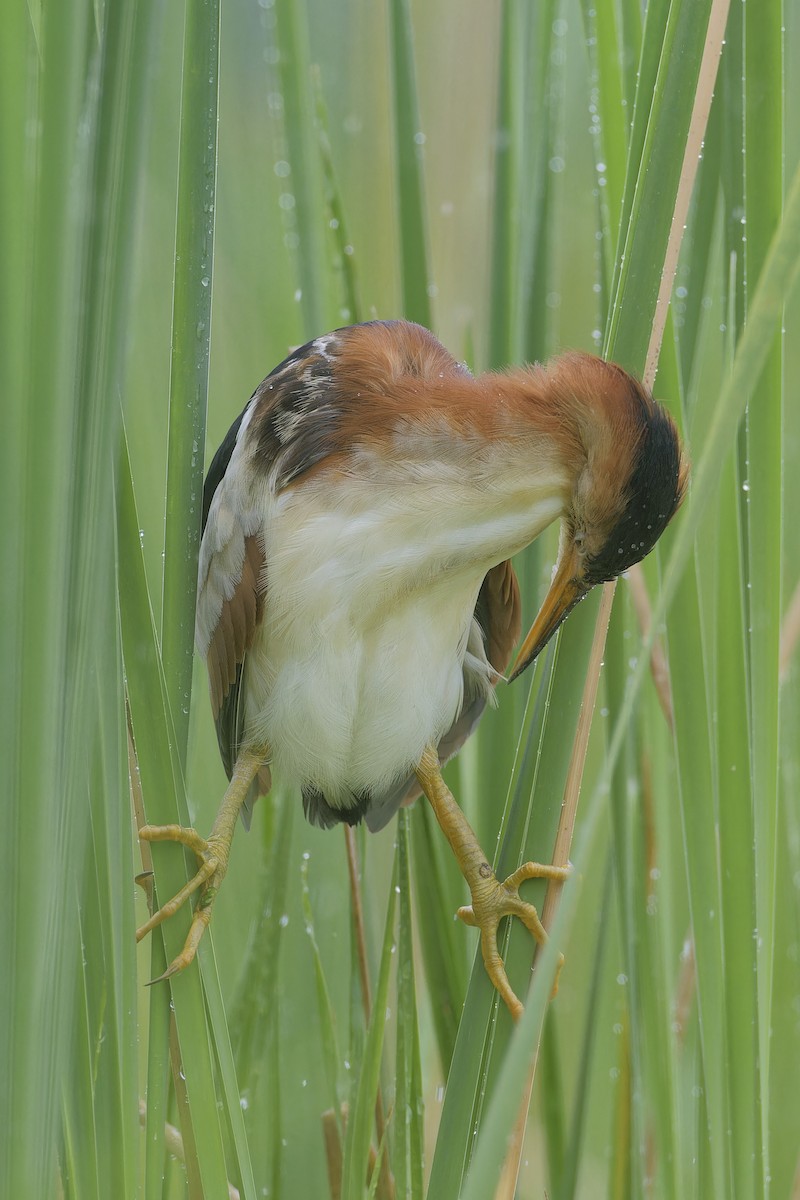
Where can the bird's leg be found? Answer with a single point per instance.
(491, 899)
(212, 854)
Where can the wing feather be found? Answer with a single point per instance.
(232, 637)
(499, 613)
(287, 427)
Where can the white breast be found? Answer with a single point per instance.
(355, 669)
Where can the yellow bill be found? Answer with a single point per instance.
(565, 591)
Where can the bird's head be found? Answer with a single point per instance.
(630, 478)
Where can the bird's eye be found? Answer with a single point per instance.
(579, 538)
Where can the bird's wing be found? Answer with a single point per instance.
(499, 614)
(496, 628)
(283, 431)
(230, 596)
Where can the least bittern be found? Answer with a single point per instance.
(357, 605)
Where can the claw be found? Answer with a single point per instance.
(212, 855)
(493, 900)
(200, 922)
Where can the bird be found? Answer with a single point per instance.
(357, 606)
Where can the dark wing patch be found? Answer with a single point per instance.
(220, 461)
(321, 399)
(298, 413)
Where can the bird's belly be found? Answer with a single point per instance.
(347, 699)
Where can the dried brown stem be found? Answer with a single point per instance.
(333, 1152)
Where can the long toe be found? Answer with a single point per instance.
(493, 900)
(200, 923)
(495, 969)
(534, 870)
(175, 833)
(206, 870)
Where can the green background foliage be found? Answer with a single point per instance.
(185, 194)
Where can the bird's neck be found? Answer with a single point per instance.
(483, 485)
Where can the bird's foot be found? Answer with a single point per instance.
(493, 900)
(212, 855)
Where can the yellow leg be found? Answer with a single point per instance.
(212, 854)
(491, 899)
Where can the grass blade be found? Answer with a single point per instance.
(409, 139)
(305, 198)
(437, 892)
(191, 338)
(327, 1015)
(763, 187)
(506, 215)
(362, 1112)
(161, 775)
